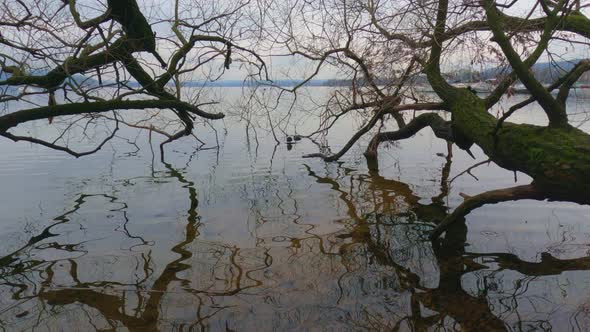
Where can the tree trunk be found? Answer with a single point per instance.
(558, 159)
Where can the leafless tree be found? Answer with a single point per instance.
(88, 63)
(387, 50)
(92, 60)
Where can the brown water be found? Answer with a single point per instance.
(253, 237)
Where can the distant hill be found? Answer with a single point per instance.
(545, 72)
(282, 83)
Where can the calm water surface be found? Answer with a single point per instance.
(253, 237)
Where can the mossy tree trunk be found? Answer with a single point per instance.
(555, 156)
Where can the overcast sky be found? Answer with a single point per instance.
(299, 68)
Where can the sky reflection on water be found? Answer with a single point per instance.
(256, 238)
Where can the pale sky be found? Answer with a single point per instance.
(298, 67)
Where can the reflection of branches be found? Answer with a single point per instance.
(549, 265)
(112, 298)
(382, 239)
(7, 260)
(449, 299)
(444, 181)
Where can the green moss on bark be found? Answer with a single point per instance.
(558, 159)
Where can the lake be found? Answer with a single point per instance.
(250, 236)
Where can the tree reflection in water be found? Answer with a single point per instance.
(378, 273)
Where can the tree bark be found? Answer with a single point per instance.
(558, 159)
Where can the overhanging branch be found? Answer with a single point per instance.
(13, 119)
